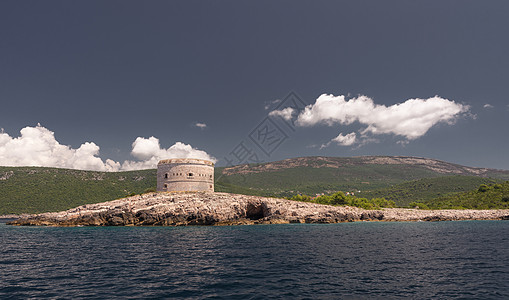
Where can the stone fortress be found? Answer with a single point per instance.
(185, 174)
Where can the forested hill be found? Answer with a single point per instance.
(312, 175)
(35, 189)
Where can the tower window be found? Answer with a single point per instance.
(190, 174)
(166, 175)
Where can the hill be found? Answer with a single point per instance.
(401, 179)
(426, 189)
(485, 197)
(311, 175)
(36, 190)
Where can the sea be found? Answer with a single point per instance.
(361, 260)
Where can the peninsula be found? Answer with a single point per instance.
(209, 208)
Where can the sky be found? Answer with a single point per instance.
(118, 85)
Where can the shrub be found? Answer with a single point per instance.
(338, 199)
(149, 190)
(304, 198)
(323, 200)
(482, 188)
(418, 205)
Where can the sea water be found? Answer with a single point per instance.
(362, 260)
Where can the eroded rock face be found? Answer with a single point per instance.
(208, 208)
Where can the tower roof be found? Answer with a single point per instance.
(185, 161)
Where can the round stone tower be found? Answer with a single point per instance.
(185, 174)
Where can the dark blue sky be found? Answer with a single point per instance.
(111, 71)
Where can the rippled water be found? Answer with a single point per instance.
(350, 260)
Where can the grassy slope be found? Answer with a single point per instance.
(493, 196)
(309, 180)
(230, 188)
(425, 189)
(35, 190)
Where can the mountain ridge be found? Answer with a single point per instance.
(328, 161)
(320, 174)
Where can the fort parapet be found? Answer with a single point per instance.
(185, 174)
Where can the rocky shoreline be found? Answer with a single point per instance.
(207, 208)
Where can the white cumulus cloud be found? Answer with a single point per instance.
(487, 105)
(285, 113)
(37, 146)
(345, 140)
(410, 119)
(200, 125)
(149, 153)
(342, 140)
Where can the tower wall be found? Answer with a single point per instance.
(185, 174)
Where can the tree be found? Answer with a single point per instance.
(338, 198)
(483, 188)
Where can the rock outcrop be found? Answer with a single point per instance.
(207, 208)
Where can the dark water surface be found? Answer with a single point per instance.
(364, 260)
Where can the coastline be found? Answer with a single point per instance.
(13, 217)
(208, 208)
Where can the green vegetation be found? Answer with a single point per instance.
(340, 199)
(313, 175)
(36, 190)
(418, 205)
(419, 191)
(234, 189)
(312, 180)
(382, 184)
(486, 196)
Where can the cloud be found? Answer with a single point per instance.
(37, 146)
(149, 153)
(345, 140)
(285, 113)
(410, 119)
(201, 125)
(342, 140)
(487, 105)
(269, 104)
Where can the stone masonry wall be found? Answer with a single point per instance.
(185, 175)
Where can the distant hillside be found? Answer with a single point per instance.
(484, 197)
(35, 190)
(426, 189)
(312, 175)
